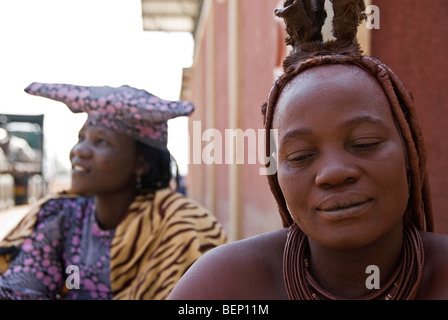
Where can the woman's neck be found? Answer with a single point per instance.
(112, 207)
(344, 272)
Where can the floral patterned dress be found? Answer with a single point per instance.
(66, 257)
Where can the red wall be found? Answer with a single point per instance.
(258, 36)
(412, 40)
(258, 57)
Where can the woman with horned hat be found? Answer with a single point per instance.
(120, 232)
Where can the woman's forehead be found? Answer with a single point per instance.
(325, 79)
(329, 92)
(331, 73)
(99, 129)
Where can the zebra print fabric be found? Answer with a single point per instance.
(161, 236)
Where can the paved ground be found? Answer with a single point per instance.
(10, 217)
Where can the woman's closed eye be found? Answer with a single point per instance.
(301, 158)
(367, 145)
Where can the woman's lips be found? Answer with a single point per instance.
(77, 169)
(340, 208)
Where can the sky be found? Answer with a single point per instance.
(86, 42)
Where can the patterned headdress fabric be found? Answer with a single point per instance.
(134, 112)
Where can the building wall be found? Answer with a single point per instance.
(237, 194)
(412, 40)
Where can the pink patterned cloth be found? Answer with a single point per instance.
(66, 234)
(134, 112)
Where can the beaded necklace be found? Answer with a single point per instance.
(403, 284)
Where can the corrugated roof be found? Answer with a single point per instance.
(171, 15)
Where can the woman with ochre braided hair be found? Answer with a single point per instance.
(351, 185)
(120, 232)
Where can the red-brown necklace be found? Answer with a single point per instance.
(404, 284)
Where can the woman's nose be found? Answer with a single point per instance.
(81, 150)
(336, 169)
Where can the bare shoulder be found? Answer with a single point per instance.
(240, 270)
(435, 272)
(436, 246)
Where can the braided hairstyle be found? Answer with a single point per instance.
(159, 173)
(304, 20)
